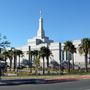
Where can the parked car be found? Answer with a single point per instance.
(3, 69)
(64, 65)
(21, 66)
(54, 64)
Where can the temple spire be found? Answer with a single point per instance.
(40, 32)
(40, 13)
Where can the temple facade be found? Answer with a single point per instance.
(41, 40)
(56, 48)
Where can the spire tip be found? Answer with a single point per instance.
(40, 13)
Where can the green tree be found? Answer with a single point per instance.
(35, 53)
(84, 48)
(70, 49)
(19, 54)
(5, 55)
(15, 52)
(48, 53)
(36, 60)
(37, 63)
(30, 54)
(3, 42)
(10, 56)
(73, 50)
(43, 55)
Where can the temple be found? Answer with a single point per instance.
(56, 48)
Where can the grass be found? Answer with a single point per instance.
(38, 77)
(27, 76)
(53, 75)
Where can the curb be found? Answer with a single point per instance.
(40, 81)
(33, 81)
(22, 81)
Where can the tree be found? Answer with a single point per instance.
(37, 63)
(70, 49)
(73, 50)
(10, 56)
(4, 42)
(36, 60)
(84, 48)
(43, 55)
(30, 54)
(19, 54)
(48, 53)
(5, 55)
(14, 51)
(89, 56)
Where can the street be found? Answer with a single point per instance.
(73, 85)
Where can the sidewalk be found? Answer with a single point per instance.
(58, 79)
(21, 81)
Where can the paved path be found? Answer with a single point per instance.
(72, 85)
(43, 81)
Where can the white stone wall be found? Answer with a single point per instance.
(55, 49)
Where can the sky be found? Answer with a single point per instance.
(63, 19)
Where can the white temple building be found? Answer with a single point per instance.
(56, 47)
(41, 40)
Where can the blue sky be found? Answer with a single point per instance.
(63, 19)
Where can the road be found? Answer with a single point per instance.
(74, 85)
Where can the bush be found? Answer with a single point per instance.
(21, 73)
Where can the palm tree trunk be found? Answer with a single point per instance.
(86, 68)
(10, 64)
(5, 64)
(48, 65)
(19, 60)
(68, 66)
(68, 62)
(18, 64)
(36, 70)
(15, 62)
(5, 59)
(89, 58)
(30, 63)
(73, 61)
(43, 66)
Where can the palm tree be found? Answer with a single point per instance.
(84, 48)
(1, 57)
(35, 53)
(48, 53)
(70, 49)
(5, 55)
(30, 54)
(89, 54)
(19, 54)
(43, 55)
(36, 60)
(73, 50)
(37, 63)
(15, 52)
(10, 56)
